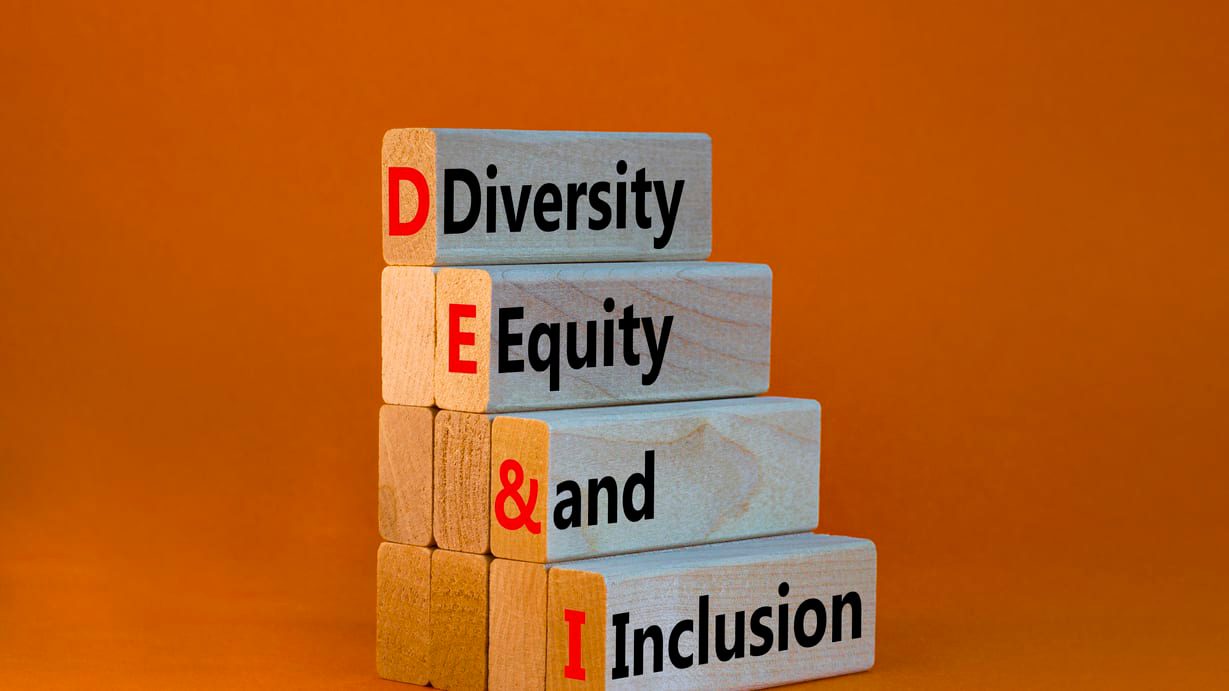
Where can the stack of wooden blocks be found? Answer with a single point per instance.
(540, 531)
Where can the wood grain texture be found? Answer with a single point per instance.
(415, 148)
(573, 592)
(462, 498)
(517, 651)
(469, 387)
(661, 589)
(403, 582)
(717, 345)
(407, 325)
(405, 474)
(534, 158)
(525, 442)
(459, 610)
(721, 470)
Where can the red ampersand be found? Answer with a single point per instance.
(511, 477)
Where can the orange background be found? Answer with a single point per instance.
(999, 242)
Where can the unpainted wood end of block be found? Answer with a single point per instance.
(575, 629)
(462, 476)
(463, 342)
(407, 335)
(403, 624)
(459, 610)
(405, 474)
(517, 657)
(520, 463)
(408, 199)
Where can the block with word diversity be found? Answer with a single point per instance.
(454, 196)
(535, 337)
(732, 615)
(571, 484)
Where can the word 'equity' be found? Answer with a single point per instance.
(550, 342)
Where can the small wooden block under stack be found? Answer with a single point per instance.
(405, 474)
(462, 473)
(518, 625)
(734, 615)
(407, 338)
(513, 197)
(564, 336)
(403, 612)
(459, 610)
(580, 483)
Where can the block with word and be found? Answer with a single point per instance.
(572, 484)
(533, 337)
(732, 615)
(455, 196)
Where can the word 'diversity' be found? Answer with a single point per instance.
(513, 197)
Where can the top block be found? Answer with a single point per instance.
(456, 197)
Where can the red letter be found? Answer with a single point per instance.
(458, 338)
(396, 176)
(574, 669)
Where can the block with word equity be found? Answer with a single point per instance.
(454, 196)
(534, 337)
(732, 615)
(571, 484)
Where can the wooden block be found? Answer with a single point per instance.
(564, 336)
(459, 610)
(517, 651)
(407, 322)
(508, 197)
(572, 484)
(462, 475)
(734, 615)
(405, 474)
(403, 627)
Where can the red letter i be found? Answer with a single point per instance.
(574, 669)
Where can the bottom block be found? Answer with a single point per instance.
(459, 609)
(431, 616)
(733, 615)
(403, 626)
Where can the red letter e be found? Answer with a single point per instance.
(458, 338)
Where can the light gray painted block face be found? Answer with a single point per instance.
(807, 605)
(517, 197)
(651, 331)
(682, 474)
